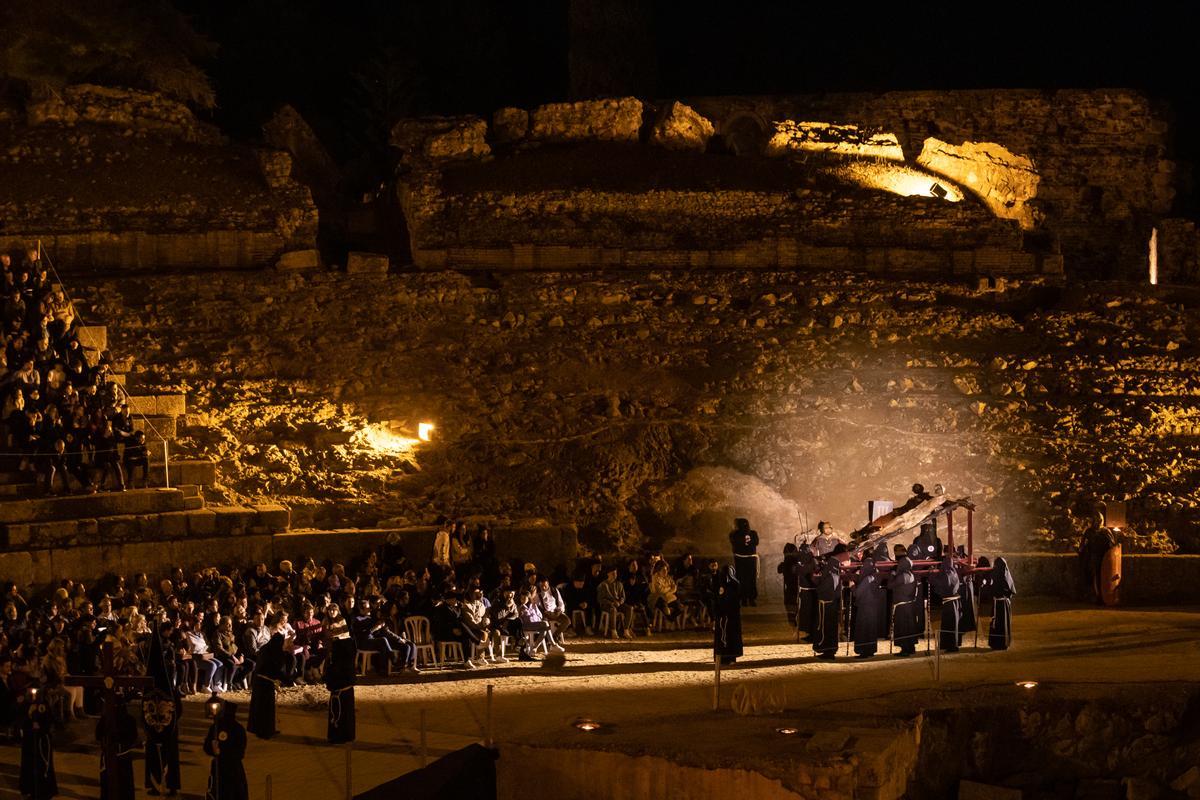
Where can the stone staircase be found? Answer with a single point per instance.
(45, 538)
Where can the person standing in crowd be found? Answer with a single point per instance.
(824, 542)
(744, 541)
(944, 586)
(226, 744)
(1002, 590)
(1100, 558)
(829, 609)
(791, 591)
(806, 593)
(870, 609)
(339, 680)
(37, 780)
(268, 675)
(727, 619)
(906, 626)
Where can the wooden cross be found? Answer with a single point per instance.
(108, 682)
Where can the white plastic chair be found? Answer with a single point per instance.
(417, 629)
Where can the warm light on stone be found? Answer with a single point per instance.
(383, 440)
(425, 431)
(897, 179)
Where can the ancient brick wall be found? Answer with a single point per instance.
(651, 407)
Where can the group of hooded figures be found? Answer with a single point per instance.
(225, 741)
(894, 607)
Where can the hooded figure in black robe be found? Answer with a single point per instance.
(870, 610)
(944, 586)
(1002, 590)
(966, 613)
(339, 680)
(122, 730)
(745, 559)
(268, 672)
(37, 780)
(226, 743)
(927, 546)
(727, 621)
(829, 609)
(806, 588)
(907, 610)
(161, 710)
(787, 568)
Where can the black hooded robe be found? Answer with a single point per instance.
(37, 779)
(1002, 590)
(727, 621)
(745, 558)
(226, 743)
(339, 680)
(161, 712)
(125, 734)
(945, 587)
(268, 671)
(908, 611)
(806, 604)
(870, 609)
(966, 614)
(829, 610)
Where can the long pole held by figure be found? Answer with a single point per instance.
(716, 682)
(488, 741)
(268, 787)
(349, 774)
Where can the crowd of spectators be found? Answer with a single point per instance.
(64, 419)
(217, 620)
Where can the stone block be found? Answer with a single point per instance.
(93, 337)
(828, 741)
(193, 503)
(970, 790)
(618, 119)
(232, 520)
(170, 405)
(156, 428)
(202, 522)
(16, 535)
(173, 525)
(299, 259)
(273, 517)
(510, 125)
(366, 264)
(144, 405)
(681, 127)
(17, 567)
(442, 138)
(199, 472)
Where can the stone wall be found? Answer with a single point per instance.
(1085, 175)
(1103, 155)
(114, 180)
(650, 408)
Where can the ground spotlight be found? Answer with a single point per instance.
(1027, 684)
(787, 731)
(587, 725)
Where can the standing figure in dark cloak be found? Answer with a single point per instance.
(870, 610)
(1002, 591)
(1096, 544)
(907, 611)
(339, 680)
(226, 743)
(268, 673)
(787, 568)
(927, 546)
(944, 586)
(727, 621)
(121, 729)
(806, 588)
(745, 559)
(161, 711)
(966, 613)
(983, 590)
(37, 780)
(829, 610)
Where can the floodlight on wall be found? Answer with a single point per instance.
(938, 191)
(424, 431)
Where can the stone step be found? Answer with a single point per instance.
(156, 428)
(26, 489)
(10, 477)
(193, 523)
(102, 504)
(93, 337)
(158, 405)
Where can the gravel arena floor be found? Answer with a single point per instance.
(633, 685)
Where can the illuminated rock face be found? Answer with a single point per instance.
(442, 138)
(679, 127)
(824, 137)
(616, 120)
(1005, 181)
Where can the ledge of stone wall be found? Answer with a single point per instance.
(1145, 579)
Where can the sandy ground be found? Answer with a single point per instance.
(664, 678)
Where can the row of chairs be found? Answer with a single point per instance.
(431, 653)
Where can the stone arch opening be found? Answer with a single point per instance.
(745, 134)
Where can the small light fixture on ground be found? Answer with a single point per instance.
(787, 731)
(587, 725)
(1027, 684)
(424, 431)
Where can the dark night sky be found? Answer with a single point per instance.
(454, 56)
